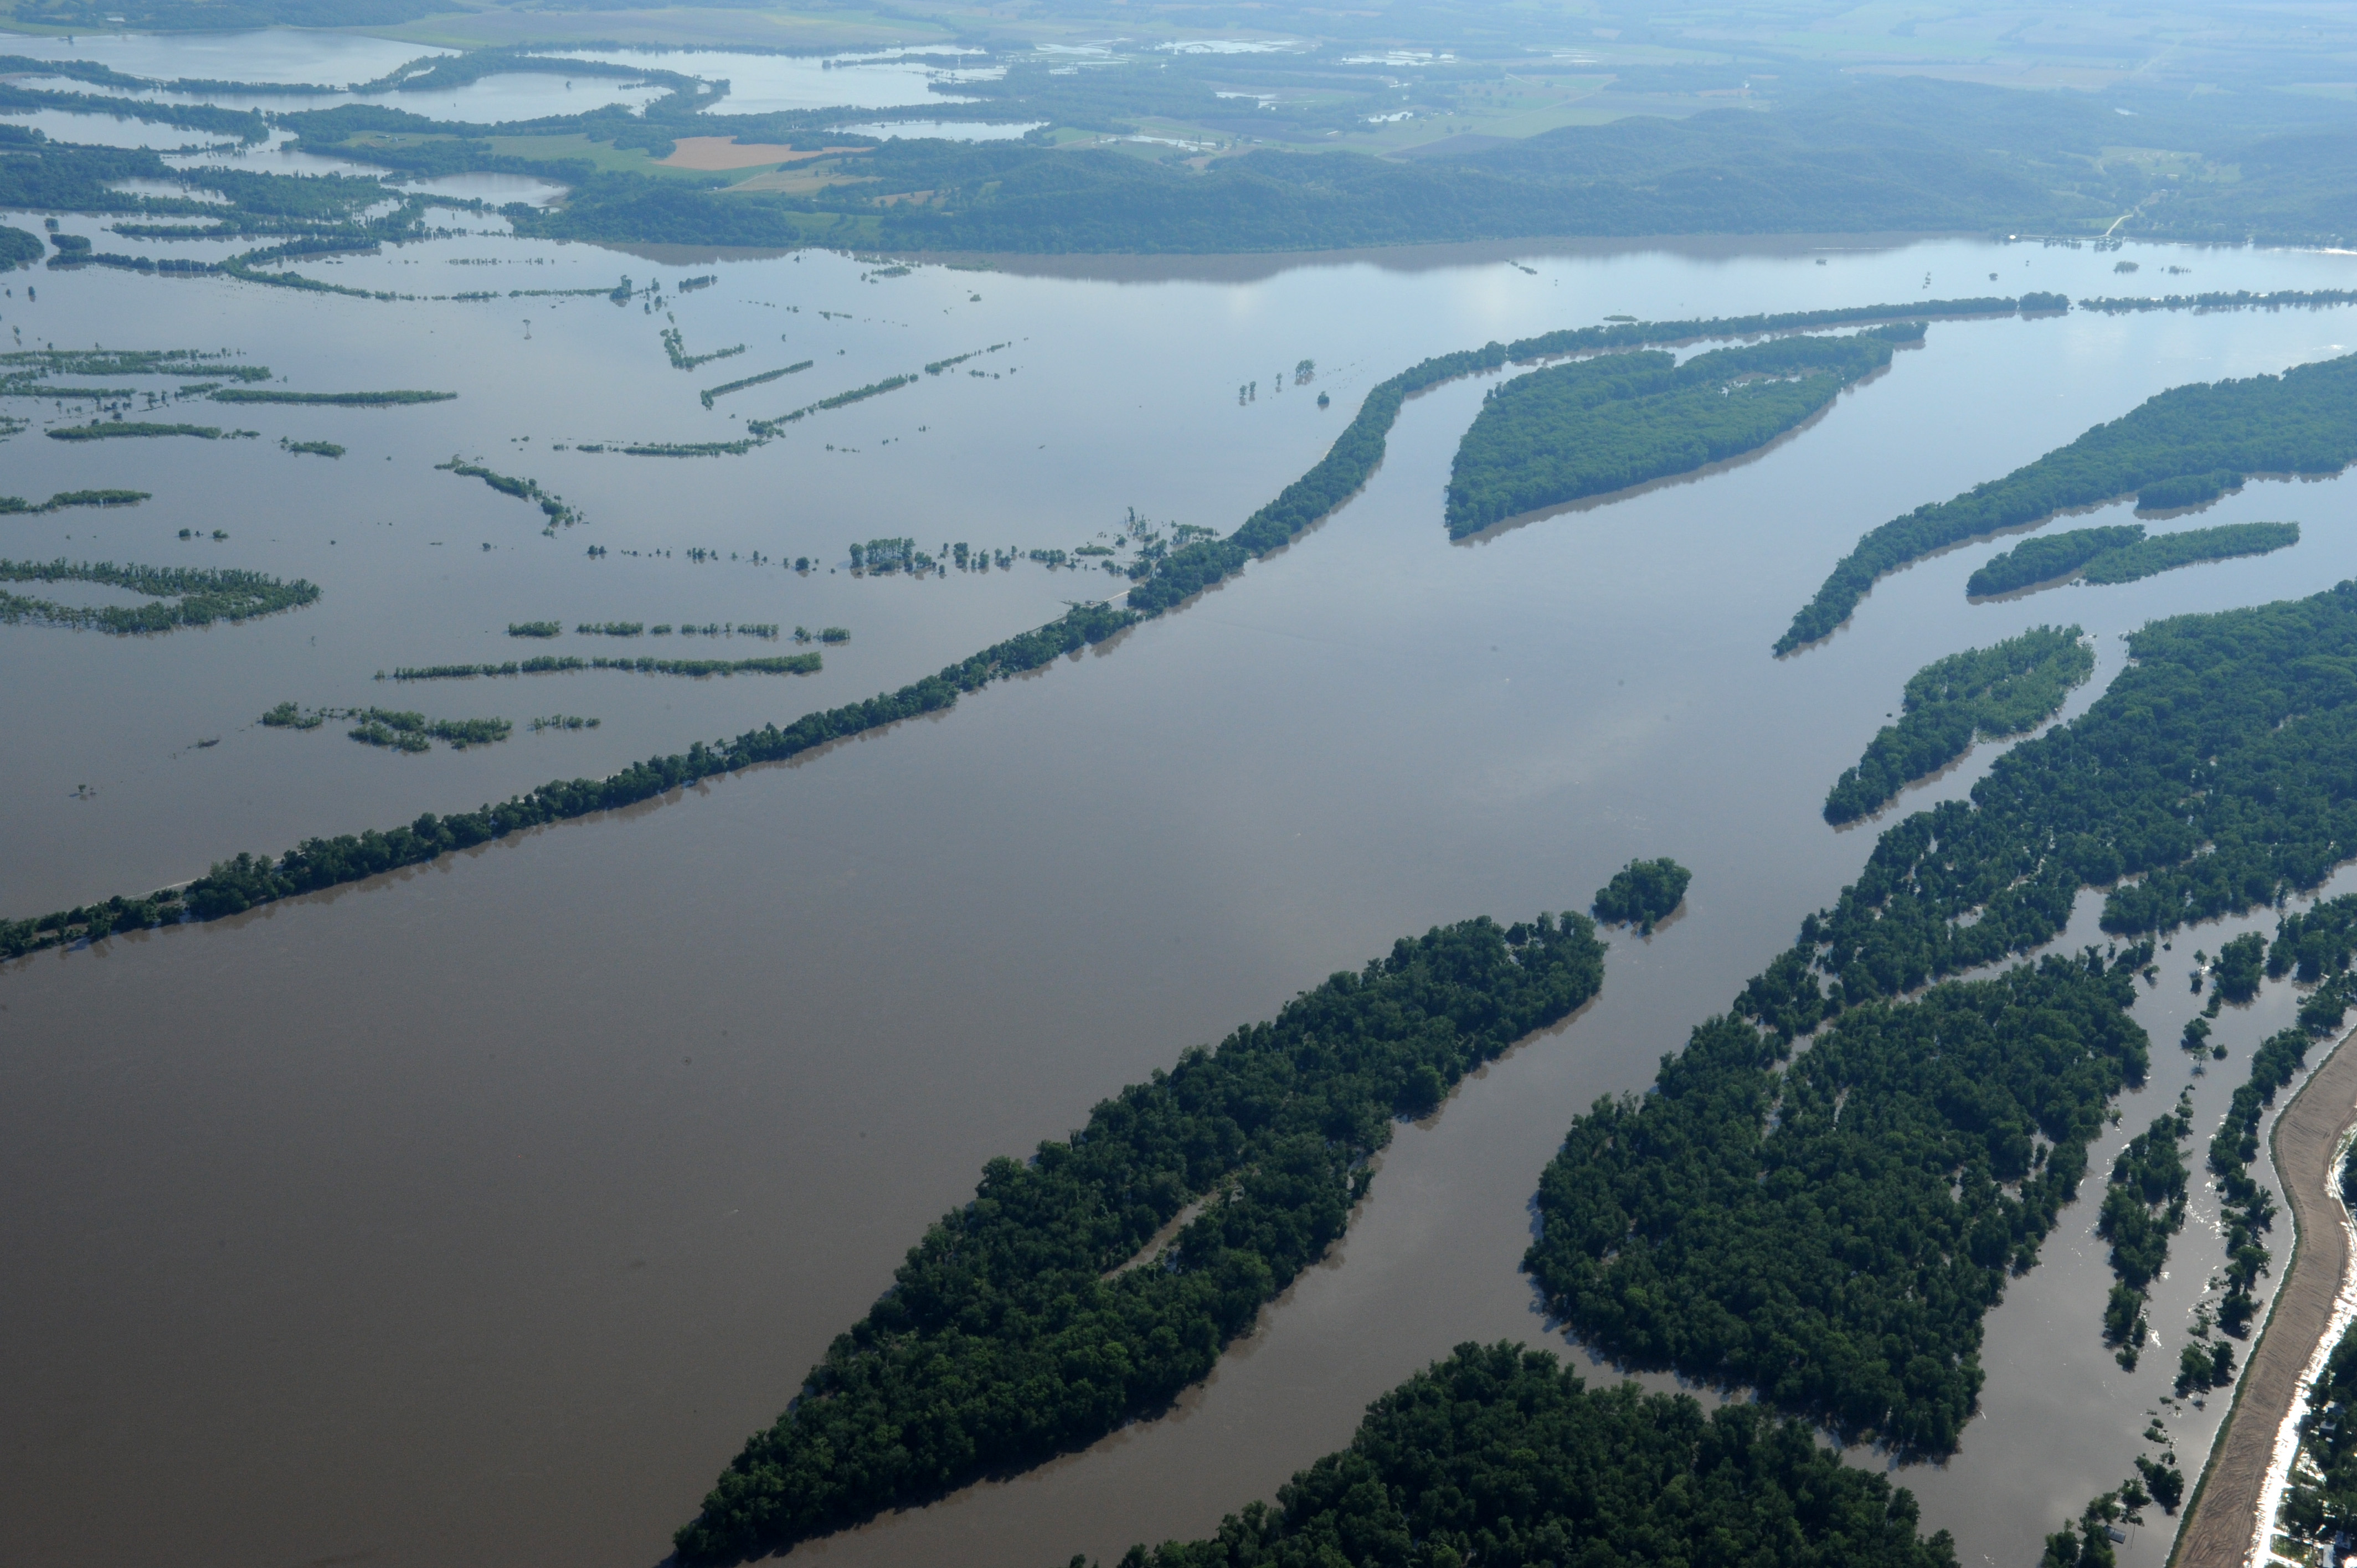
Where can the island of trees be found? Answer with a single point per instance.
(557, 664)
(196, 597)
(1501, 1457)
(18, 505)
(1983, 693)
(1643, 894)
(2144, 1206)
(1265, 1140)
(2303, 422)
(1598, 425)
(2122, 553)
(552, 506)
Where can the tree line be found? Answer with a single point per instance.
(2301, 421)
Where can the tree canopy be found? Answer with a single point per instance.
(1500, 1456)
(1054, 1306)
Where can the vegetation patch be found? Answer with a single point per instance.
(2167, 551)
(552, 506)
(2144, 1206)
(2048, 557)
(1500, 1454)
(726, 387)
(1831, 1227)
(120, 429)
(333, 399)
(1643, 894)
(193, 597)
(1598, 425)
(1986, 694)
(2303, 422)
(18, 505)
(840, 400)
(1027, 1288)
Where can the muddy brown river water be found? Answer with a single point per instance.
(475, 1215)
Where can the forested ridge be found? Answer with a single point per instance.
(1026, 1322)
(1983, 694)
(1602, 425)
(1500, 1456)
(2301, 421)
(1831, 1228)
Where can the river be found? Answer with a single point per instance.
(476, 1214)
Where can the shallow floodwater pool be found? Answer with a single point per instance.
(476, 1214)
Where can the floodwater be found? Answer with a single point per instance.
(476, 1214)
(771, 83)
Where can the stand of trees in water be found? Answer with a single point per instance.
(334, 400)
(197, 596)
(552, 506)
(1983, 693)
(2303, 422)
(768, 428)
(394, 729)
(1062, 1302)
(1643, 894)
(2168, 551)
(1830, 1228)
(1500, 1456)
(1201, 563)
(2144, 1206)
(118, 429)
(724, 388)
(11, 506)
(1598, 425)
(557, 664)
(2122, 553)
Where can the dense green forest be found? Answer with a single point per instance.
(1986, 694)
(1831, 1227)
(2212, 777)
(1597, 426)
(195, 596)
(2303, 422)
(1643, 893)
(2047, 557)
(1500, 1456)
(2167, 551)
(1032, 1321)
(2144, 1206)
